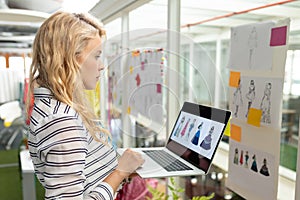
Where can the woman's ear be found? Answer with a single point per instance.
(78, 58)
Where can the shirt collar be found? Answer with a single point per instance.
(42, 93)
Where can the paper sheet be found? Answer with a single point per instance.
(263, 94)
(250, 47)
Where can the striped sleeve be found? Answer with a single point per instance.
(62, 147)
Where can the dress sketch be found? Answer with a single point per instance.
(236, 156)
(264, 169)
(246, 159)
(265, 104)
(196, 137)
(252, 44)
(185, 127)
(206, 143)
(190, 129)
(242, 157)
(237, 99)
(176, 133)
(250, 96)
(254, 164)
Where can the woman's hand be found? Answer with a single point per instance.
(129, 162)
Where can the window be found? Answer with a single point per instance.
(2, 62)
(292, 73)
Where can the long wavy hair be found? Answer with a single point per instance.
(58, 42)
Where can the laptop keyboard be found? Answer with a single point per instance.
(167, 161)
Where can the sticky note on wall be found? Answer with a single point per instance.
(131, 69)
(234, 79)
(254, 117)
(235, 132)
(278, 36)
(128, 110)
(158, 88)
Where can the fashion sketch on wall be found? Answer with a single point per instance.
(237, 99)
(250, 96)
(265, 104)
(252, 169)
(250, 47)
(257, 93)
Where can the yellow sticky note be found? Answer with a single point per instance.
(254, 117)
(236, 132)
(130, 69)
(128, 110)
(227, 129)
(234, 79)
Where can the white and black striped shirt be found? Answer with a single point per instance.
(69, 163)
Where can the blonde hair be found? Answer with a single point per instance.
(58, 42)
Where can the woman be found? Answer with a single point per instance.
(72, 157)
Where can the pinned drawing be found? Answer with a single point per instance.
(236, 156)
(254, 164)
(145, 84)
(246, 159)
(242, 157)
(237, 99)
(265, 104)
(264, 169)
(250, 47)
(250, 96)
(257, 174)
(252, 44)
(257, 94)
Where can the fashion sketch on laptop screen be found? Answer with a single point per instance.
(197, 133)
(191, 145)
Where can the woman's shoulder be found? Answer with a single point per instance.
(47, 109)
(46, 104)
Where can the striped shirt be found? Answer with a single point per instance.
(68, 162)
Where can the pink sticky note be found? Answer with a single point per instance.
(158, 88)
(278, 36)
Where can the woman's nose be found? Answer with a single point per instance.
(100, 66)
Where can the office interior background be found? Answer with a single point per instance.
(202, 38)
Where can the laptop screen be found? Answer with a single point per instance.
(197, 133)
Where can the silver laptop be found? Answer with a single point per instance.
(191, 145)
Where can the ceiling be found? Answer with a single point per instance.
(205, 20)
(20, 19)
